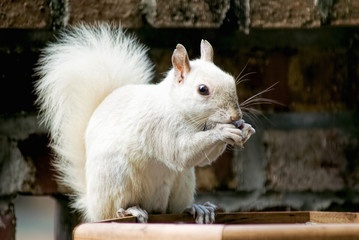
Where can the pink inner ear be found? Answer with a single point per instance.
(180, 68)
(180, 62)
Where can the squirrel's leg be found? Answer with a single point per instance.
(136, 211)
(182, 192)
(110, 186)
(212, 153)
(193, 148)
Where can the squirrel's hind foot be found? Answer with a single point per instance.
(136, 211)
(202, 213)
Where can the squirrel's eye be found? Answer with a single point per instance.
(203, 89)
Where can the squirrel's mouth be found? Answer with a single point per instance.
(209, 125)
(204, 128)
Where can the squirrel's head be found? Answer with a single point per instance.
(204, 93)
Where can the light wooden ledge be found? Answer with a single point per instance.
(263, 225)
(150, 231)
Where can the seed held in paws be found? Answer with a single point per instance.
(239, 124)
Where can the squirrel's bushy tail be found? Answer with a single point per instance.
(76, 74)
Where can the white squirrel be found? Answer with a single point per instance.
(122, 145)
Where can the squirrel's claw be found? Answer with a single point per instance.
(247, 132)
(136, 211)
(202, 213)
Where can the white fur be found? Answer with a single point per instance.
(78, 72)
(119, 144)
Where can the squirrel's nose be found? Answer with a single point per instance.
(235, 115)
(234, 118)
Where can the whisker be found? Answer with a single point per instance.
(245, 66)
(261, 92)
(251, 110)
(252, 116)
(242, 78)
(209, 161)
(198, 122)
(229, 148)
(201, 122)
(257, 101)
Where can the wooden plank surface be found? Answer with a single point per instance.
(139, 231)
(255, 218)
(134, 231)
(348, 231)
(334, 217)
(262, 217)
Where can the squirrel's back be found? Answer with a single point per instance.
(77, 72)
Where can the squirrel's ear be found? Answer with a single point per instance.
(206, 51)
(180, 62)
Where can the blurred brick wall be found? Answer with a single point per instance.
(305, 154)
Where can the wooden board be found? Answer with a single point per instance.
(229, 226)
(347, 231)
(255, 218)
(137, 231)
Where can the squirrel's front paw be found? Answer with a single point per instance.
(233, 134)
(228, 133)
(136, 211)
(247, 132)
